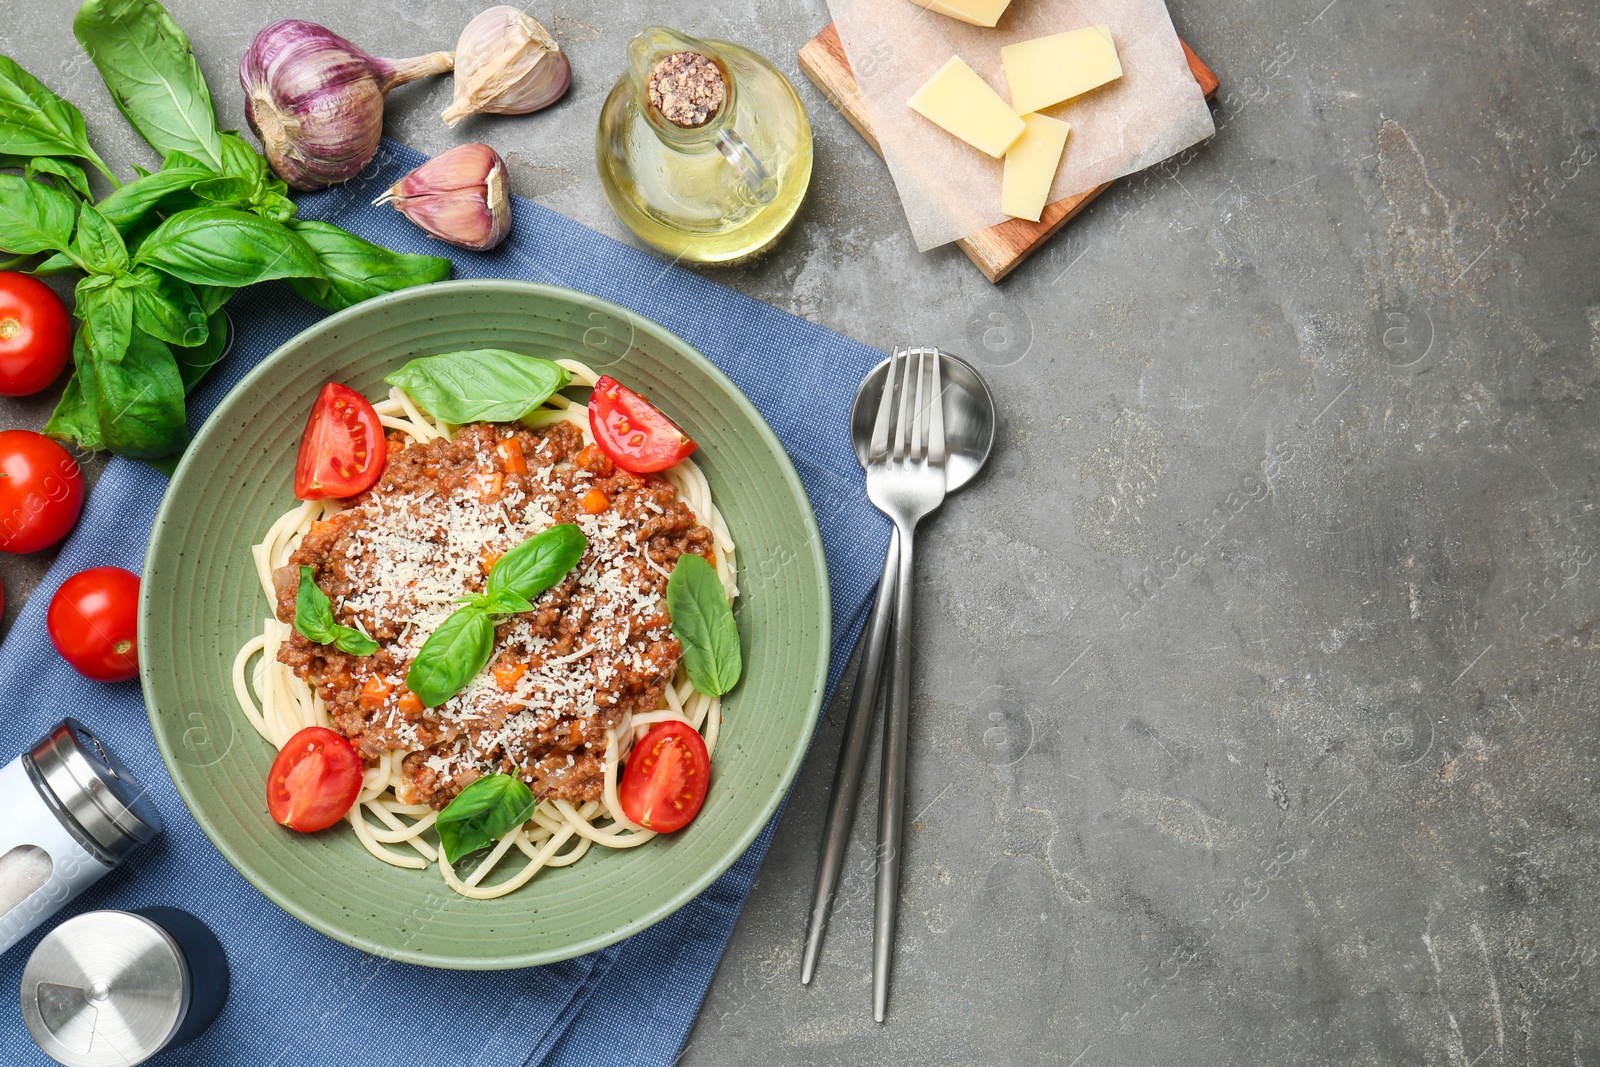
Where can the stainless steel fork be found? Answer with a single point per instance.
(906, 480)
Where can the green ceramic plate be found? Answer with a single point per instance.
(201, 602)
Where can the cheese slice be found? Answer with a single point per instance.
(1048, 70)
(977, 12)
(1031, 166)
(963, 104)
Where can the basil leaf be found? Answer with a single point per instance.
(538, 563)
(483, 812)
(222, 246)
(60, 263)
(213, 297)
(34, 217)
(98, 245)
(240, 160)
(75, 419)
(194, 361)
(72, 176)
(355, 270)
(486, 385)
(506, 602)
(703, 622)
(167, 308)
(279, 208)
(313, 617)
(36, 122)
(106, 311)
(223, 191)
(452, 656)
(139, 400)
(149, 66)
(161, 190)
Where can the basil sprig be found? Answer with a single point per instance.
(160, 254)
(313, 617)
(703, 622)
(484, 385)
(461, 647)
(483, 812)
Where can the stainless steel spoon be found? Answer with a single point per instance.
(969, 422)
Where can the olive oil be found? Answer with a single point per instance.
(719, 192)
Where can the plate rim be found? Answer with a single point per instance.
(667, 905)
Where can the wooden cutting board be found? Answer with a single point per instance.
(998, 250)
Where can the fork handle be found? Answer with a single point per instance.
(892, 791)
(852, 760)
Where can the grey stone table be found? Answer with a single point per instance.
(1255, 694)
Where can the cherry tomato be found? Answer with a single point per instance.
(343, 451)
(93, 621)
(665, 780)
(634, 434)
(314, 781)
(35, 335)
(41, 491)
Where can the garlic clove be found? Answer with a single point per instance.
(460, 196)
(506, 64)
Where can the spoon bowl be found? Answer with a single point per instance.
(969, 418)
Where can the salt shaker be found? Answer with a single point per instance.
(114, 988)
(72, 814)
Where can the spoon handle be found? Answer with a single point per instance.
(852, 760)
(892, 787)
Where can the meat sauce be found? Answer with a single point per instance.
(596, 646)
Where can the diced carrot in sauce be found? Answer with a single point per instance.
(411, 704)
(506, 675)
(490, 559)
(375, 692)
(594, 502)
(511, 452)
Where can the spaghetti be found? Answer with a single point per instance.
(389, 818)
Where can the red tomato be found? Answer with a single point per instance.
(93, 621)
(35, 335)
(343, 451)
(314, 780)
(665, 780)
(41, 491)
(634, 434)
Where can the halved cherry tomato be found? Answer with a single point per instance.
(35, 335)
(636, 436)
(93, 622)
(343, 451)
(41, 491)
(314, 780)
(665, 780)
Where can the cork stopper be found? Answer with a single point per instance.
(686, 88)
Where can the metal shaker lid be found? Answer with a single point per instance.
(105, 989)
(81, 780)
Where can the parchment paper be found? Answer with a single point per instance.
(950, 189)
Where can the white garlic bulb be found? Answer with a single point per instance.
(506, 64)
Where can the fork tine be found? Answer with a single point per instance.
(919, 417)
(884, 423)
(902, 425)
(936, 452)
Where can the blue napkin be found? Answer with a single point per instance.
(299, 997)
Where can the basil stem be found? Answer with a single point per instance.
(486, 385)
(703, 623)
(313, 617)
(483, 812)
